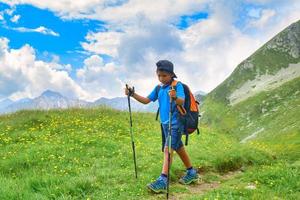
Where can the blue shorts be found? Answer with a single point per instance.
(176, 131)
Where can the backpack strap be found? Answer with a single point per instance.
(174, 84)
(186, 139)
(157, 113)
(157, 91)
(181, 109)
(157, 88)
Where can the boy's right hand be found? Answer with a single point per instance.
(129, 90)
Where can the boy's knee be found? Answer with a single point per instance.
(180, 149)
(166, 150)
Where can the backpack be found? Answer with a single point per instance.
(188, 113)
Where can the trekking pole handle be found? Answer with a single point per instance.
(172, 93)
(130, 90)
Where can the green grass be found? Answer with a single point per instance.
(73, 154)
(275, 181)
(86, 154)
(275, 171)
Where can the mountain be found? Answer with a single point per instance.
(24, 100)
(54, 100)
(50, 100)
(200, 96)
(261, 98)
(272, 65)
(47, 100)
(5, 102)
(200, 93)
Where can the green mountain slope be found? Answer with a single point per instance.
(259, 106)
(262, 94)
(279, 53)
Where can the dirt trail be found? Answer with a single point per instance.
(199, 188)
(202, 187)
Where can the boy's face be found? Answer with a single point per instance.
(164, 77)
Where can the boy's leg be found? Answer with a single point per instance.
(184, 157)
(165, 164)
(160, 185)
(191, 174)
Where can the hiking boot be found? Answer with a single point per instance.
(158, 186)
(190, 177)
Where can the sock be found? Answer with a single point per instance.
(164, 177)
(191, 170)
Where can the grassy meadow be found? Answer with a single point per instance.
(86, 154)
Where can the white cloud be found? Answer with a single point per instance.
(100, 79)
(204, 54)
(22, 75)
(102, 43)
(264, 19)
(134, 45)
(148, 38)
(285, 15)
(254, 12)
(15, 18)
(41, 29)
(262, 1)
(117, 12)
(3, 46)
(8, 12)
(60, 67)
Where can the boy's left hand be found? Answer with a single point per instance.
(172, 94)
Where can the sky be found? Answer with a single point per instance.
(88, 49)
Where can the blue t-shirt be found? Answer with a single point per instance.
(164, 102)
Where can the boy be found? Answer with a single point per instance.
(166, 75)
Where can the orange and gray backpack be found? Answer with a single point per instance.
(188, 113)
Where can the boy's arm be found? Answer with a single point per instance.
(177, 96)
(141, 99)
(179, 101)
(173, 95)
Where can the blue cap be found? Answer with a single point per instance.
(165, 65)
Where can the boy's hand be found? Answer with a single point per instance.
(129, 91)
(172, 94)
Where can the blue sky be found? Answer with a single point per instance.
(90, 50)
(71, 33)
(66, 45)
(187, 20)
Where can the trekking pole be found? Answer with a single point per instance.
(169, 143)
(130, 91)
